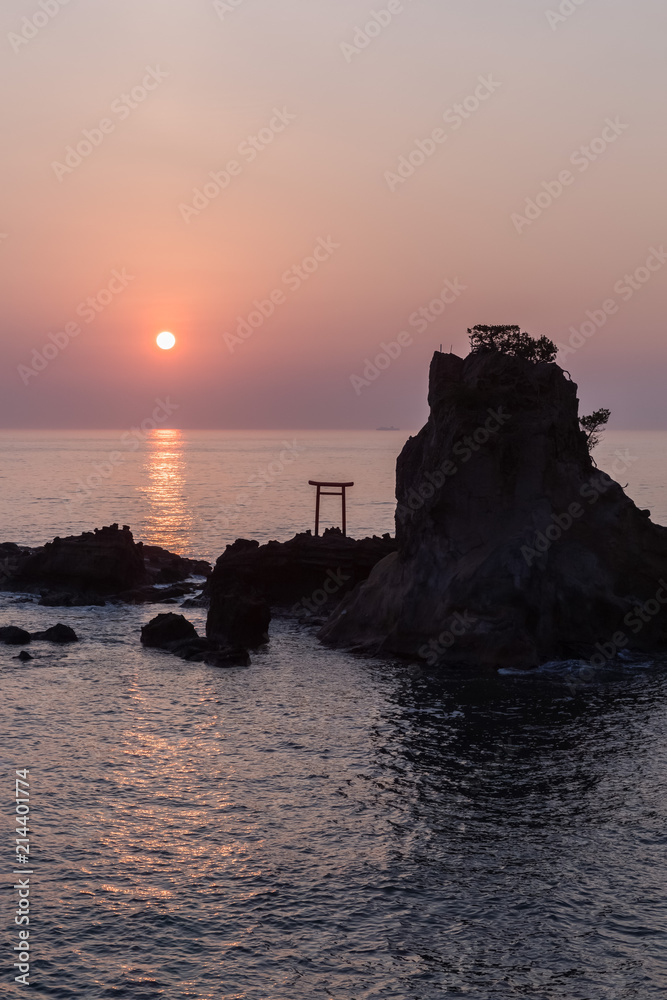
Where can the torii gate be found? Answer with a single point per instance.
(326, 493)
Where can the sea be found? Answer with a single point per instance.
(319, 824)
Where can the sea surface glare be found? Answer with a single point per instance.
(318, 825)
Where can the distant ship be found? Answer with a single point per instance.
(387, 428)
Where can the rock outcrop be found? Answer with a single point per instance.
(62, 634)
(11, 635)
(11, 557)
(512, 547)
(175, 634)
(103, 562)
(306, 570)
(96, 566)
(165, 629)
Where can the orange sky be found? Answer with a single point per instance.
(327, 170)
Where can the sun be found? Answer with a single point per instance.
(165, 340)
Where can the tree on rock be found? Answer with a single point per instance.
(512, 340)
(593, 424)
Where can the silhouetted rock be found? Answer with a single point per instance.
(24, 656)
(57, 633)
(86, 569)
(11, 557)
(307, 571)
(175, 634)
(513, 548)
(167, 628)
(12, 550)
(238, 619)
(13, 636)
(102, 561)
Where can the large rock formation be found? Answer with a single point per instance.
(85, 569)
(513, 548)
(304, 571)
(103, 561)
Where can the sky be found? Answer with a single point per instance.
(297, 189)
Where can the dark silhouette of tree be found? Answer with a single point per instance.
(512, 340)
(593, 424)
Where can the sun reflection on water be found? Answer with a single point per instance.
(169, 522)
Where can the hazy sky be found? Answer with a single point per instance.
(390, 146)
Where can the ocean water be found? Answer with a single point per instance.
(193, 492)
(318, 824)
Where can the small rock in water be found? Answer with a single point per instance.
(24, 655)
(57, 633)
(175, 634)
(167, 628)
(13, 636)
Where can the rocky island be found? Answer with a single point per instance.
(97, 566)
(513, 549)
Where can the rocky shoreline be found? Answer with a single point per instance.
(511, 548)
(96, 567)
(305, 576)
